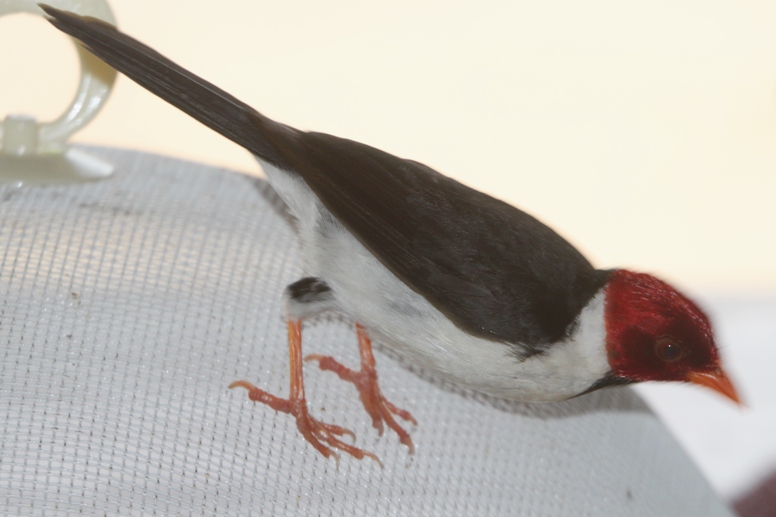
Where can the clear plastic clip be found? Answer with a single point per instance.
(37, 153)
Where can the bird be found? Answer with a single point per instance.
(458, 282)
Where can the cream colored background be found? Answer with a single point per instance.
(645, 132)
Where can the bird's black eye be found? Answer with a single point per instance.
(668, 350)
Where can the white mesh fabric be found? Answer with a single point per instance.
(128, 306)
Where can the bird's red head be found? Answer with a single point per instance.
(655, 333)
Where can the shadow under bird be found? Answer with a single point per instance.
(458, 282)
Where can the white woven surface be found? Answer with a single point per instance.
(127, 307)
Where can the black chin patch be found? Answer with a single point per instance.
(607, 381)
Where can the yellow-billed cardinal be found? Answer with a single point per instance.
(457, 281)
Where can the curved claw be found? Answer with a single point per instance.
(379, 409)
(314, 431)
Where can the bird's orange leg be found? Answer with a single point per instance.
(366, 381)
(314, 431)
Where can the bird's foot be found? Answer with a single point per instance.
(365, 380)
(314, 431)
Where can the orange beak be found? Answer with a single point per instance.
(716, 380)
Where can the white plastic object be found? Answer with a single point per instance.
(37, 153)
